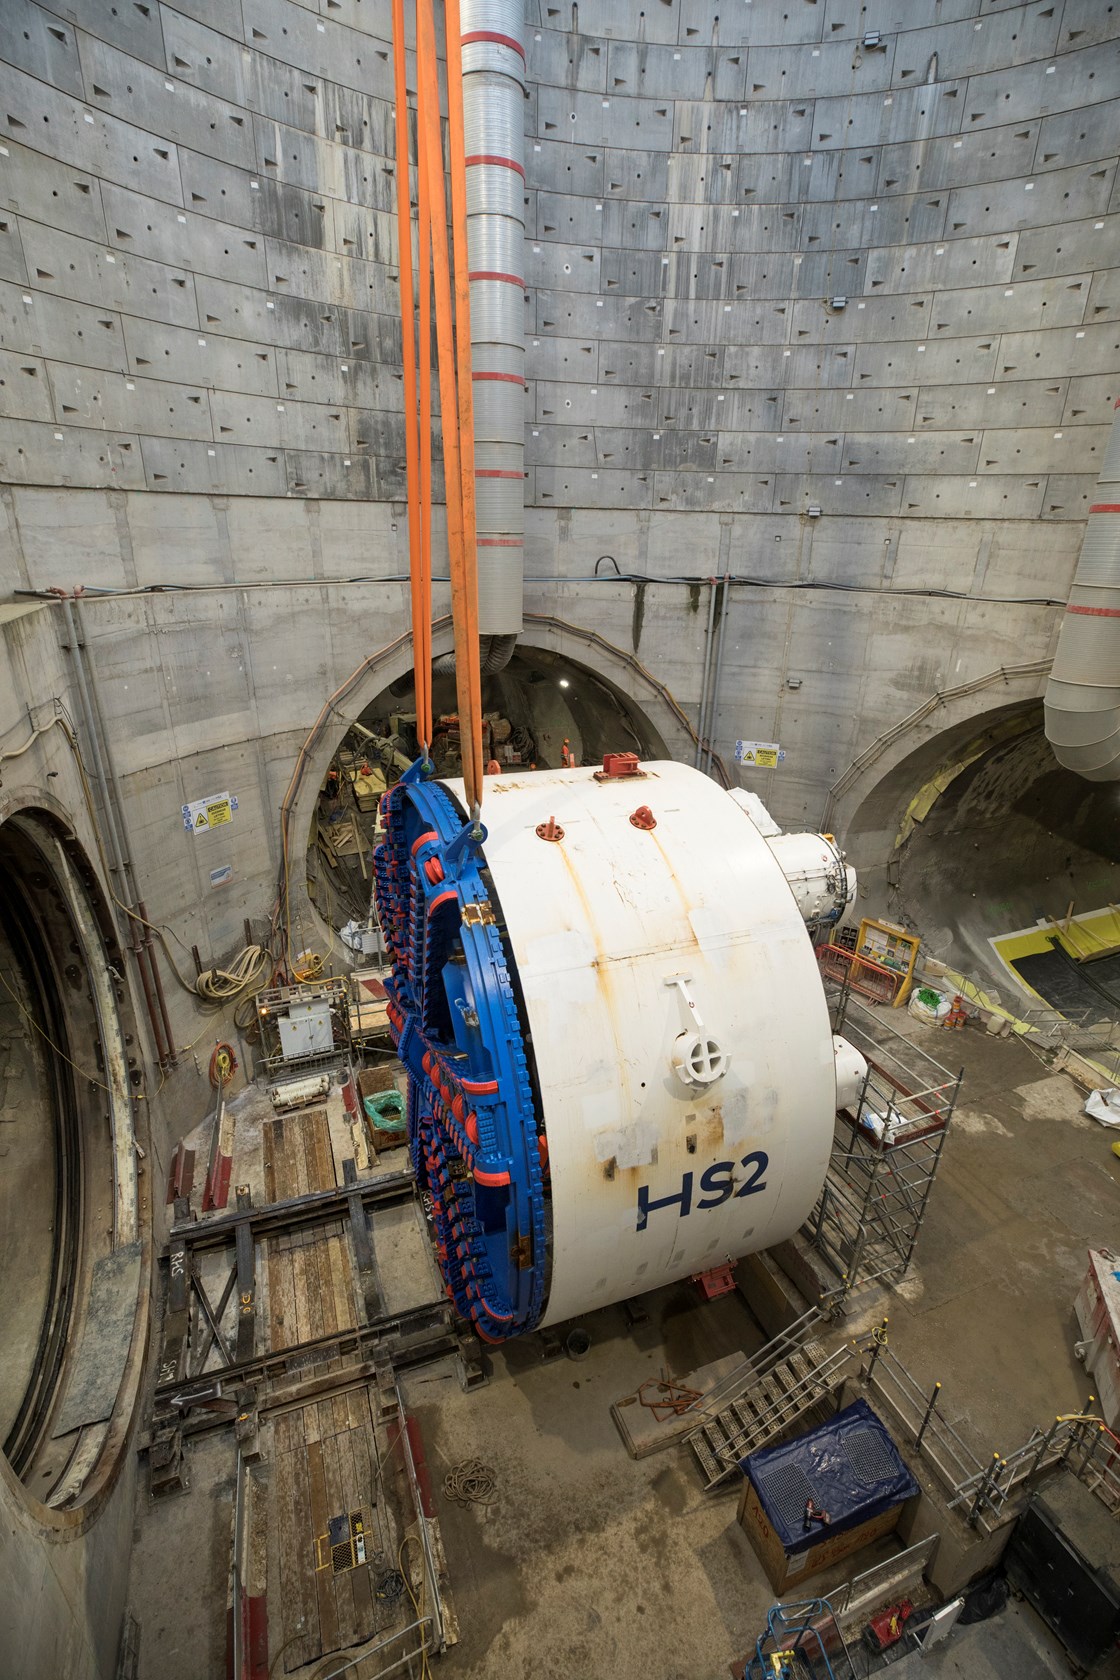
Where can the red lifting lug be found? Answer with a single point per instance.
(550, 830)
(643, 817)
(618, 765)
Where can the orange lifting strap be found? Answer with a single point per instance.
(454, 363)
(421, 599)
(468, 648)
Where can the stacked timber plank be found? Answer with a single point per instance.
(298, 1156)
(310, 1285)
(310, 1271)
(324, 1469)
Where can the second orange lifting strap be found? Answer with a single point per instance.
(456, 393)
(421, 600)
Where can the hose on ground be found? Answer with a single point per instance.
(245, 972)
(471, 1483)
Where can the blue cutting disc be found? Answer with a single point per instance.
(474, 1129)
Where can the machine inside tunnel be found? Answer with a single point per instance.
(542, 710)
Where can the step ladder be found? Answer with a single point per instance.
(766, 1406)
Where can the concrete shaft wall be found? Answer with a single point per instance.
(772, 267)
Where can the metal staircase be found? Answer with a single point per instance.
(762, 1399)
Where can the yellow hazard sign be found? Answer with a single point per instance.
(765, 755)
(203, 814)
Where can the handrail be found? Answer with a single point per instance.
(878, 1030)
(758, 1364)
(787, 1406)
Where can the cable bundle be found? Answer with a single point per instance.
(248, 969)
(471, 1483)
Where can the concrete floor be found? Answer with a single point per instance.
(1014, 1645)
(1027, 1184)
(592, 1563)
(180, 1567)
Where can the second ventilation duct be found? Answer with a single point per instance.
(1082, 705)
(494, 125)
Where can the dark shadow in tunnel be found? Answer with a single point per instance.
(540, 711)
(1008, 840)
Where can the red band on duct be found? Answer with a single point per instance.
(495, 158)
(496, 38)
(497, 274)
(1095, 612)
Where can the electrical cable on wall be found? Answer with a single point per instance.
(776, 586)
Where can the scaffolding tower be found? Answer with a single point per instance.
(885, 1152)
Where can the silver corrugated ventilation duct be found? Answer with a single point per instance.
(495, 653)
(1083, 694)
(494, 126)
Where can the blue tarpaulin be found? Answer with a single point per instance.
(848, 1467)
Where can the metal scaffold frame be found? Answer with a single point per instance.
(886, 1151)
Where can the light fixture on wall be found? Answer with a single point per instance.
(812, 511)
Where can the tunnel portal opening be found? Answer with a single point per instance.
(998, 854)
(69, 1240)
(542, 711)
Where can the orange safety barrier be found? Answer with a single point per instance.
(869, 979)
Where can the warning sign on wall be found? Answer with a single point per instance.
(766, 755)
(201, 815)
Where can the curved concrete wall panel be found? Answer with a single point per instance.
(771, 267)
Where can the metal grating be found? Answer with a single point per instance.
(347, 1541)
(788, 1490)
(868, 1455)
